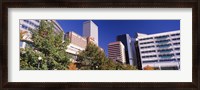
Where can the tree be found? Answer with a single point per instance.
(22, 34)
(48, 45)
(148, 68)
(92, 58)
(72, 66)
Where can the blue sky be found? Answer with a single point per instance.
(109, 29)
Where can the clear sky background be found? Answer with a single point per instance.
(109, 29)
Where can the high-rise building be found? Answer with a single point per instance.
(136, 60)
(76, 45)
(90, 40)
(116, 52)
(90, 29)
(126, 40)
(77, 42)
(161, 50)
(27, 24)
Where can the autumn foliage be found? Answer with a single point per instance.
(148, 68)
(72, 66)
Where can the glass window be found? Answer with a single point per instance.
(167, 60)
(37, 20)
(150, 51)
(147, 42)
(24, 26)
(149, 56)
(162, 41)
(160, 37)
(177, 48)
(176, 39)
(178, 54)
(165, 50)
(176, 43)
(146, 38)
(164, 45)
(177, 34)
(148, 47)
(150, 61)
(26, 21)
(166, 55)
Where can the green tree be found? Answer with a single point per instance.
(49, 46)
(92, 58)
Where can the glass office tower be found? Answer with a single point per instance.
(126, 41)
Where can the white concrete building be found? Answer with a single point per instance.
(161, 50)
(116, 52)
(90, 29)
(76, 45)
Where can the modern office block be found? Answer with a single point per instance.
(77, 43)
(116, 52)
(90, 29)
(136, 60)
(126, 41)
(161, 50)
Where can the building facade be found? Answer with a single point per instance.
(27, 24)
(116, 52)
(136, 60)
(127, 42)
(161, 51)
(90, 29)
(77, 43)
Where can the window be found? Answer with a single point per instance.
(177, 48)
(146, 38)
(149, 56)
(148, 47)
(24, 26)
(162, 41)
(150, 51)
(177, 34)
(164, 45)
(167, 60)
(165, 50)
(26, 21)
(178, 59)
(176, 39)
(178, 54)
(150, 61)
(160, 37)
(176, 43)
(37, 21)
(166, 55)
(146, 42)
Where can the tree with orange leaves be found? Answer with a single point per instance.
(72, 66)
(148, 68)
(22, 34)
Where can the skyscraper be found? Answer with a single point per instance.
(116, 52)
(126, 40)
(136, 60)
(90, 29)
(161, 50)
